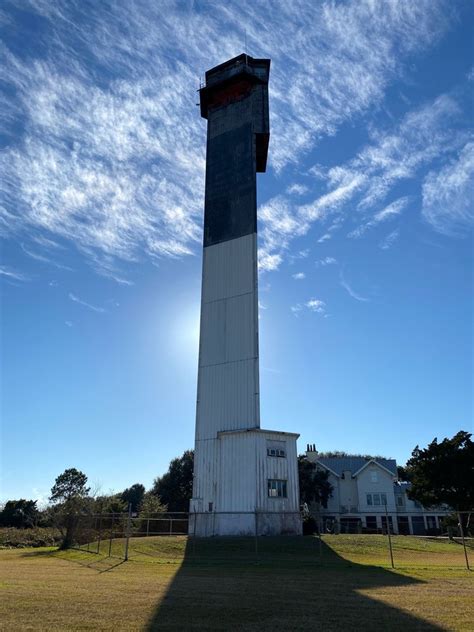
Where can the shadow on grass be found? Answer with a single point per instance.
(88, 559)
(292, 585)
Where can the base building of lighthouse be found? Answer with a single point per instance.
(245, 478)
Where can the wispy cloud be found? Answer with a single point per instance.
(297, 189)
(299, 276)
(10, 273)
(324, 238)
(425, 134)
(387, 213)
(112, 152)
(327, 261)
(343, 282)
(94, 308)
(313, 305)
(388, 241)
(448, 194)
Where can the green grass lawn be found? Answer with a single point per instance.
(220, 584)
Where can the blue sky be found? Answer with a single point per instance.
(365, 228)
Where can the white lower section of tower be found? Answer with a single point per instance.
(235, 462)
(228, 388)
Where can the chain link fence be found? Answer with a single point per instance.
(170, 538)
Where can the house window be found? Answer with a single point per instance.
(371, 523)
(384, 524)
(400, 501)
(383, 498)
(431, 522)
(276, 452)
(276, 488)
(369, 499)
(374, 476)
(376, 499)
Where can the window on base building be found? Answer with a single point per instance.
(369, 499)
(277, 488)
(383, 499)
(400, 501)
(276, 452)
(377, 499)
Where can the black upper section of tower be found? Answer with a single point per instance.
(235, 102)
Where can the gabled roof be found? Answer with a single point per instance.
(355, 464)
(376, 462)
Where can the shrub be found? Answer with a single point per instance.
(12, 538)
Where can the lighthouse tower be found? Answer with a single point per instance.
(245, 478)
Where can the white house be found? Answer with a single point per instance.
(366, 494)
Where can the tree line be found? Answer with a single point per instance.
(441, 473)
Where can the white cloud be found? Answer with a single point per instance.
(448, 194)
(327, 261)
(388, 241)
(299, 276)
(112, 154)
(313, 305)
(350, 290)
(94, 308)
(424, 134)
(268, 262)
(324, 238)
(10, 273)
(316, 305)
(301, 254)
(387, 213)
(297, 189)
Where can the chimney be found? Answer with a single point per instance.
(311, 453)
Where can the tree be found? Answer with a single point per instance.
(133, 495)
(175, 488)
(109, 504)
(151, 504)
(69, 486)
(19, 513)
(443, 473)
(314, 482)
(69, 496)
(340, 454)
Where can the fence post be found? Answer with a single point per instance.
(171, 526)
(461, 528)
(148, 527)
(194, 533)
(127, 535)
(256, 534)
(389, 536)
(111, 534)
(100, 534)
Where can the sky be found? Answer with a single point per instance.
(365, 228)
